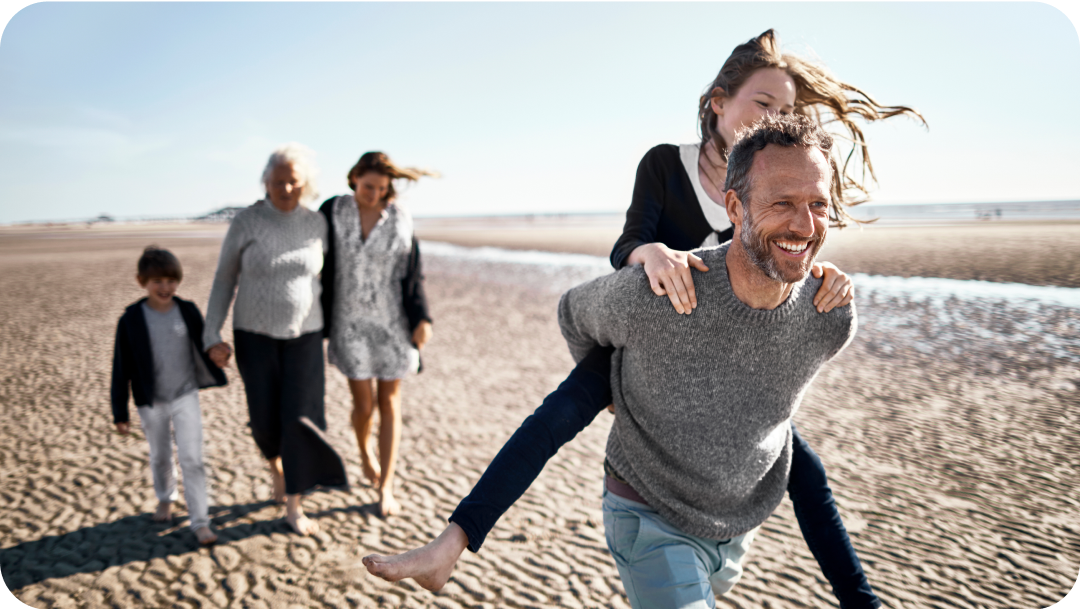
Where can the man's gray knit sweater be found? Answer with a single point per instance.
(704, 401)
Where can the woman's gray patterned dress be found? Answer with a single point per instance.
(369, 333)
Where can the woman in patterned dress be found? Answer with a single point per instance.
(375, 309)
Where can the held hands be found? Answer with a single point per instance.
(669, 273)
(422, 334)
(836, 290)
(219, 354)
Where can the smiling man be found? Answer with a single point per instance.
(699, 454)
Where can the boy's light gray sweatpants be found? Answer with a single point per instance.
(159, 422)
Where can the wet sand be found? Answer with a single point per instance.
(956, 476)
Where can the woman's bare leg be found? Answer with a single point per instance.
(430, 565)
(296, 518)
(278, 478)
(363, 409)
(389, 439)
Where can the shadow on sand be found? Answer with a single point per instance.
(136, 538)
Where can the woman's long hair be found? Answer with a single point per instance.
(381, 164)
(819, 95)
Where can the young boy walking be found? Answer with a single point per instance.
(159, 354)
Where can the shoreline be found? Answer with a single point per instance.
(1032, 252)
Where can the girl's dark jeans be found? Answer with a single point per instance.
(575, 404)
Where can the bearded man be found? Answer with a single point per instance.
(700, 451)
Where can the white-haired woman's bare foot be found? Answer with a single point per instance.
(296, 518)
(430, 565)
(277, 476)
(163, 512)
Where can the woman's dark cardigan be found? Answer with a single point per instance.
(413, 297)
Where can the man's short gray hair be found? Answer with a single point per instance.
(300, 157)
(788, 130)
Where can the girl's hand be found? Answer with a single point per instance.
(123, 428)
(422, 334)
(669, 273)
(219, 354)
(836, 290)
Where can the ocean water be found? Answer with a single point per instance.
(930, 213)
(991, 325)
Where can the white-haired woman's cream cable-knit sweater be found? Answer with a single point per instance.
(704, 401)
(272, 260)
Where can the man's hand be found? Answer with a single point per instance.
(836, 290)
(123, 428)
(669, 273)
(219, 354)
(422, 334)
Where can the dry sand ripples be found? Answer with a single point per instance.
(954, 462)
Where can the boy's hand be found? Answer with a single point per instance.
(123, 428)
(219, 354)
(422, 334)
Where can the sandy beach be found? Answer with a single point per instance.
(948, 429)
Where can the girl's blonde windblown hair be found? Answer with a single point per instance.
(818, 95)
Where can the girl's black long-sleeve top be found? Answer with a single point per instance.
(663, 209)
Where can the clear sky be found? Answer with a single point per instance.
(152, 109)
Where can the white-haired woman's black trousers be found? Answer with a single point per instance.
(285, 385)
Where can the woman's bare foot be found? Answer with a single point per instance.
(302, 525)
(278, 478)
(388, 506)
(205, 535)
(430, 565)
(164, 511)
(370, 465)
(296, 518)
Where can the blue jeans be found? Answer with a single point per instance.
(574, 405)
(662, 567)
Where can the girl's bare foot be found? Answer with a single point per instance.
(296, 519)
(205, 535)
(388, 506)
(370, 465)
(278, 478)
(430, 565)
(164, 511)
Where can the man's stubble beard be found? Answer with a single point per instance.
(760, 253)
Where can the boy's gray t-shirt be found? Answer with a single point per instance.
(174, 366)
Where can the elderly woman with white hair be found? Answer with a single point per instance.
(271, 257)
